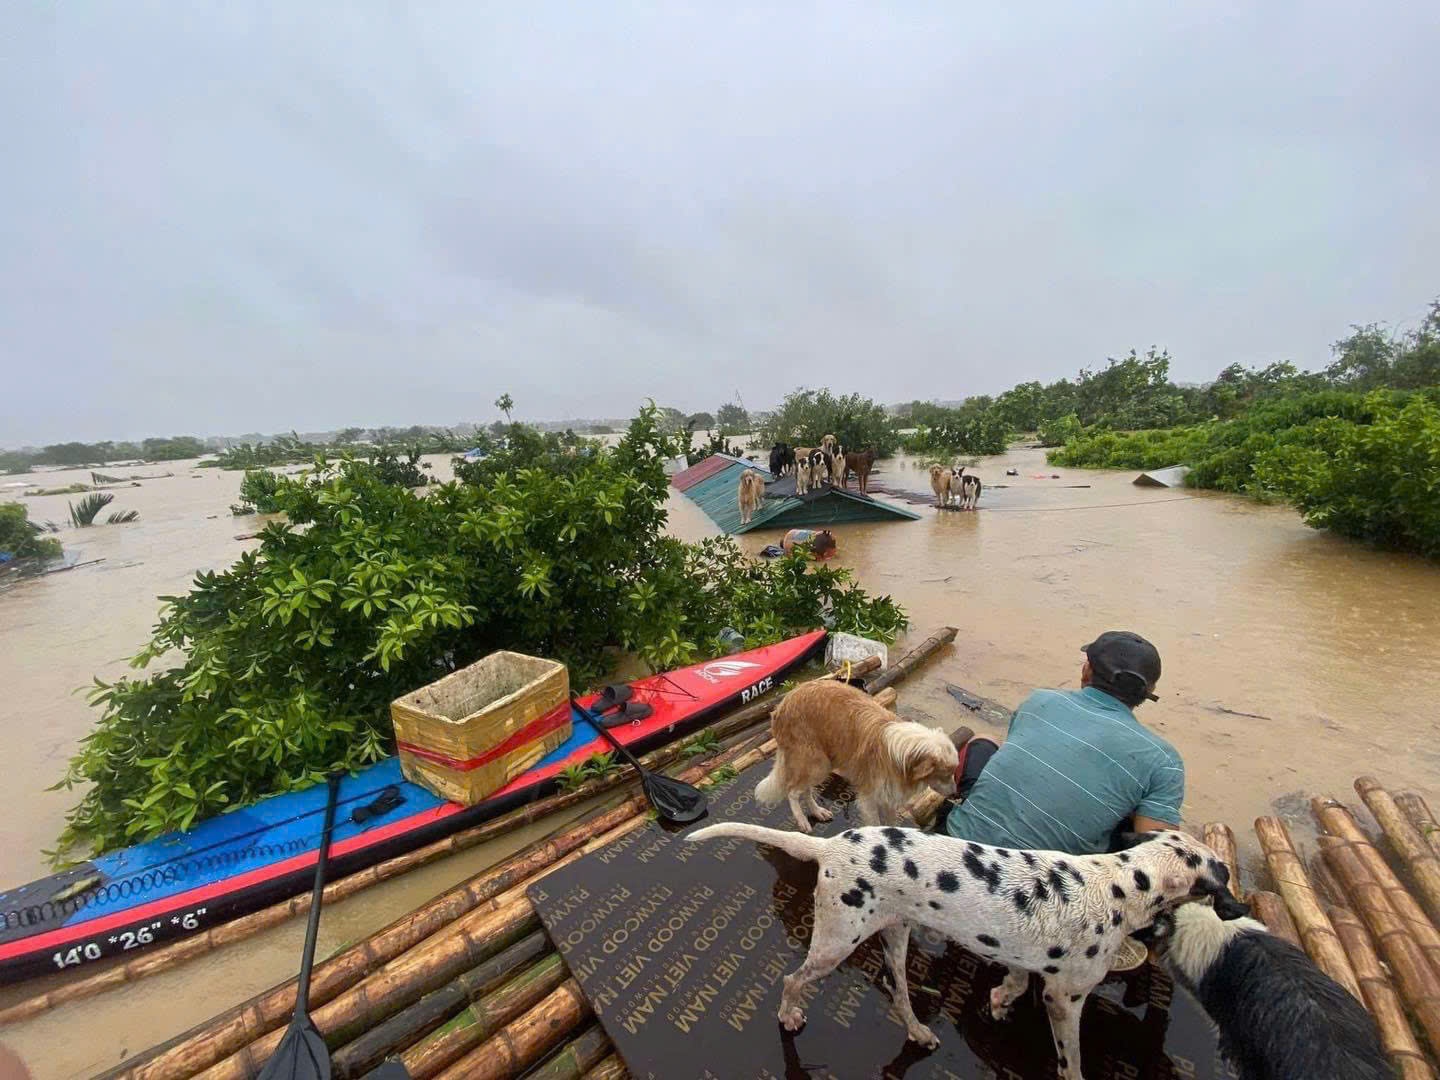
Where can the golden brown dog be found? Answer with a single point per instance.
(826, 727)
(941, 480)
(751, 492)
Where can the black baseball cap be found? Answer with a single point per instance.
(1120, 658)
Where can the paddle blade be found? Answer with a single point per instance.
(674, 800)
(301, 1055)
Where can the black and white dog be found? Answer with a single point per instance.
(1060, 916)
(782, 459)
(1280, 1016)
(965, 488)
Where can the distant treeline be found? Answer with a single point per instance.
(78, 453)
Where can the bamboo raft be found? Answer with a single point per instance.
(1354, 912)
(467, 985)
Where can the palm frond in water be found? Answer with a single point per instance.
(83, 515)
(121, 517)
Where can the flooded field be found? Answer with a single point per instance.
(1293, 661)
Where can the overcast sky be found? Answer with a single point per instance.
(217, 218)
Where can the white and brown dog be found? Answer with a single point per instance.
(811, 469)
(1060, 916)
(751, 493)
(826, 727)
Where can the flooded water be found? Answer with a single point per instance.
(1329, 647)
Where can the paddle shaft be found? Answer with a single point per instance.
(312, 927)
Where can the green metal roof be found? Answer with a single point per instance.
(717, 494)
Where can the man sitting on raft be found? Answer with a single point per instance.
(1076, 768)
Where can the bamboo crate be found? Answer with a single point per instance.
(469, 734)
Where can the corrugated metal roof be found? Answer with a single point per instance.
(1172, 477)
(703, 470)
(715, 490)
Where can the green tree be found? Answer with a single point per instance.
(13, 461)
(978, 426)
(1022, 407)
(176, 448)
(1059, 431)
(1131, 393)
(23, 538)
(1363, 360)
(732, 418)
(70, 453)
(505, 403)
(700, 421)
(807, 416)
(672, 420)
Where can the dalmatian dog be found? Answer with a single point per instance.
(1060, 916)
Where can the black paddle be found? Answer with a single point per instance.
(302, 1053)
(674, 800)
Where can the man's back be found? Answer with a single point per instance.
(1074, 765)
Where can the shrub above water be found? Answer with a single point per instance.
(1363, 465)
(24, 538)
(807, 416)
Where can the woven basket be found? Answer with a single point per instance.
(469, 734)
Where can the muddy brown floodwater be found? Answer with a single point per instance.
(1293, 661)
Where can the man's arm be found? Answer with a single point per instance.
(1160, 808)
(1150, 824)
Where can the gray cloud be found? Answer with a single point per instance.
(269, 215)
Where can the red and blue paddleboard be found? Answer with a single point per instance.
(236, 863)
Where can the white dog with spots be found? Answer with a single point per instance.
(1060, 916)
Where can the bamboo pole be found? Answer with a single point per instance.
(228, 933)
(1336, 820)
(482, 1019)
(903, 667)
(526, 1039)
(1317, 936)
(1396, 1035)
(1327, 886)
(1417, 812)
(473, 986)
(421, 968)
(472, 939)
(1424, 867)
(1216, 835)
(223, 1035)
(1271, 911)
(1414, 978)
(611, 1068)
(575, 1058)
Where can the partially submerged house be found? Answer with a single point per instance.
(712, 485)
